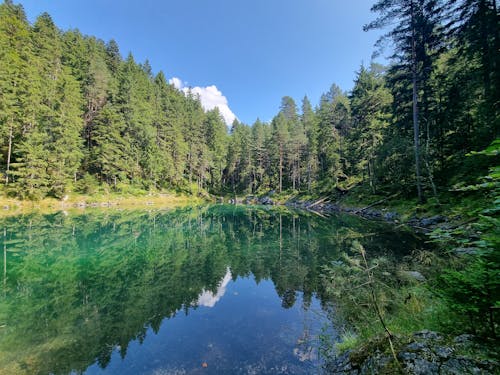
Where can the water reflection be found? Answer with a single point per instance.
(95, 289)
(208, 298)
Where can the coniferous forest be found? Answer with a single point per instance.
(76, 116)
(419, 134)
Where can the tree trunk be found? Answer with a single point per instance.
(309, 176)
(416, 130)
(281, 169)
(371, 176)
(9, 153)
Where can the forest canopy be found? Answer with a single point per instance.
(75, 116)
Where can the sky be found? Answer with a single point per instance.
(240, 55)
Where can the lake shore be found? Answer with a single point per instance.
(12, 206)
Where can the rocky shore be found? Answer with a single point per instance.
(426, 352)
(325, 207)
(426, 223)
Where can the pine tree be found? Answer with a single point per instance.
(111, 155)
(18, 81)
(370, 105)
(260, 154)
(333, 124)
(280, 139)
(416, 39)
(30, 167)
(216, 139)
(310, 125)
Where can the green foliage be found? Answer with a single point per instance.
(473, 288)
(405, 305)
(112, 118)
(87, 185)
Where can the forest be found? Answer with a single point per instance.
(77, 117)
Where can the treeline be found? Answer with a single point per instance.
(76, 116)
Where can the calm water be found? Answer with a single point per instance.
(209, 290)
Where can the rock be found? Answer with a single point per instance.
(249, 199)
(421, 367)
(427, 335)
(443, 352)
(375, 365)
(405, 356)
(371, 213)
(416, 347)
(466, 338)
(391, 216)
(432, 220)
(425, 355)
(340, 365)
(266, 200)
(458, 366)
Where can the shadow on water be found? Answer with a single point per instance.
(216, 289)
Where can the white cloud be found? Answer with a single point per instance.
(209, 299)
(177, 82)
(210, 97)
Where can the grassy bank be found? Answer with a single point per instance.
(12, 206)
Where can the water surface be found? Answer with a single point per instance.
(207, 290)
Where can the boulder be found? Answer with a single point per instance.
(266, 200)
(426, 222)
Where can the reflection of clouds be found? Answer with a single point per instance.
(209, 299)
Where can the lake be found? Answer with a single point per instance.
(197, 290)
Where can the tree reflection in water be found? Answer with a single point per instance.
(78, 288)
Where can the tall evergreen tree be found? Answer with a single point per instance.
(216, 139)
(370, 105)
(310, 125)
(280, 139)
(18, 82)
(416, 44)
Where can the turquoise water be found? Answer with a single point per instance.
(207, 290)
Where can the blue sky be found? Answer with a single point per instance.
(247, 54)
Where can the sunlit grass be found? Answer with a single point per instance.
(11, 206)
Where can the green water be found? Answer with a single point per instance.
(210, 290)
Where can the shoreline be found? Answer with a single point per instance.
(12, 207)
